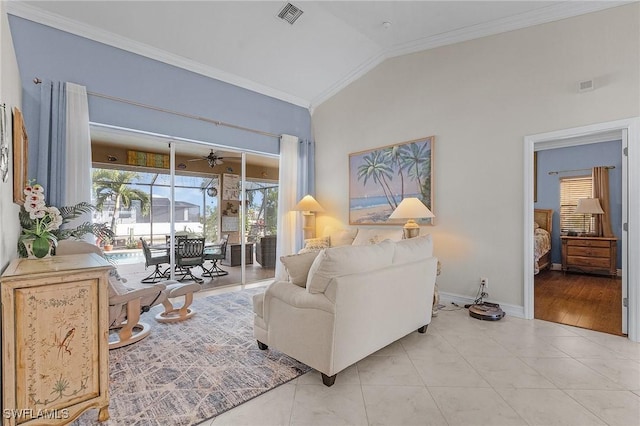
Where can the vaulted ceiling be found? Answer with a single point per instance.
(330, 45)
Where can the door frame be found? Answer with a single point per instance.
(631, 208)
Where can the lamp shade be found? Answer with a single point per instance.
(411, 208)
(308, 204)
(589, 206)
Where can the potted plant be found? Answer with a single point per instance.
(46, 224)
(108, 244)
(37, 234)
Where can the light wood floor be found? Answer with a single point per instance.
(581, 300)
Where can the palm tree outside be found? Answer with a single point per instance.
(115, 186)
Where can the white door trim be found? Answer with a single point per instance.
(537, 142)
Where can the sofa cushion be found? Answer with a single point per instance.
(374, 236)
(315, 244)
(340, 236)
(413, 249)
(298, 265)
(338, 261)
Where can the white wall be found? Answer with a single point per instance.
(10, 94)
(480, 98)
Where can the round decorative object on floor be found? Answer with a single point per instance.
(486, 311)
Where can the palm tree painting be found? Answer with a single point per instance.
(379, 179)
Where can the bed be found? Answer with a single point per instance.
(542, 239)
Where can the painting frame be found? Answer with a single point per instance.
(20, 156)
(380, 178)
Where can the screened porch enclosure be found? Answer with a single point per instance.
(137, 205)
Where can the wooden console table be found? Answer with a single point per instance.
(55, 355)
(596, 255)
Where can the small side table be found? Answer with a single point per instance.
(436, 295)
(234, 254)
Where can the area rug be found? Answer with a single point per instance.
(188, 372)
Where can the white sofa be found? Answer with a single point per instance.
(341, 304)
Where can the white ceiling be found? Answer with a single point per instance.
(332, 44)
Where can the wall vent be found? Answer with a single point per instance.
(585, 86)
(289, 13)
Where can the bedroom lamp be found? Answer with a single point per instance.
(308, 206)
(411, 208)
(588, 206)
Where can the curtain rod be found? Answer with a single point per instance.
(181, 114)
(579, 170)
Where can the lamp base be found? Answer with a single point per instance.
(410, 233)
(309, 225)
(410, 230)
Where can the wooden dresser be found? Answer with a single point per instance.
(54, 339)
(596, 255)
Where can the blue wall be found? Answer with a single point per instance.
(579, 157)
(56, 55)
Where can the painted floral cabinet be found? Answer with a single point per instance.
(54, 339)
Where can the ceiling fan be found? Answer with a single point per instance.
(213, 159)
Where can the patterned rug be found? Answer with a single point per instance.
(187, 372)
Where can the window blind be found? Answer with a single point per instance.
(571, 190)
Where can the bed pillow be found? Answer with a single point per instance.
(298, 265)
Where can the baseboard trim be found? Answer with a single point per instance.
(511, 310)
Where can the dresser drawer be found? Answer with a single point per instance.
(588, 243)
(596, 255)
(594, 262)
(588, 251)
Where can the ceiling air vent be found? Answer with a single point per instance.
(289, 13)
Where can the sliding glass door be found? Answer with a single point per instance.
(162, 188)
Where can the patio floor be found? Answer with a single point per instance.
(131, 266)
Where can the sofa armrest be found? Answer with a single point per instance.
(295, 296)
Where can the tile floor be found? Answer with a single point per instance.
(468, 372)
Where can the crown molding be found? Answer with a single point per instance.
(544, 15)
(355, 74)
(31, 13)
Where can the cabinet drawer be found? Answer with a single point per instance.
(588, 243)
(588, 251)
(596, 262)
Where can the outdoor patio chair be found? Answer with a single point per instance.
(157, 260)
(215, 254)
(189, 253)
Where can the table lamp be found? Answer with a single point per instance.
(308, 206)
(411, 208)
(588, 206)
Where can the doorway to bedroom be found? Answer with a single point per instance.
(627, 130)
(580, 278)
